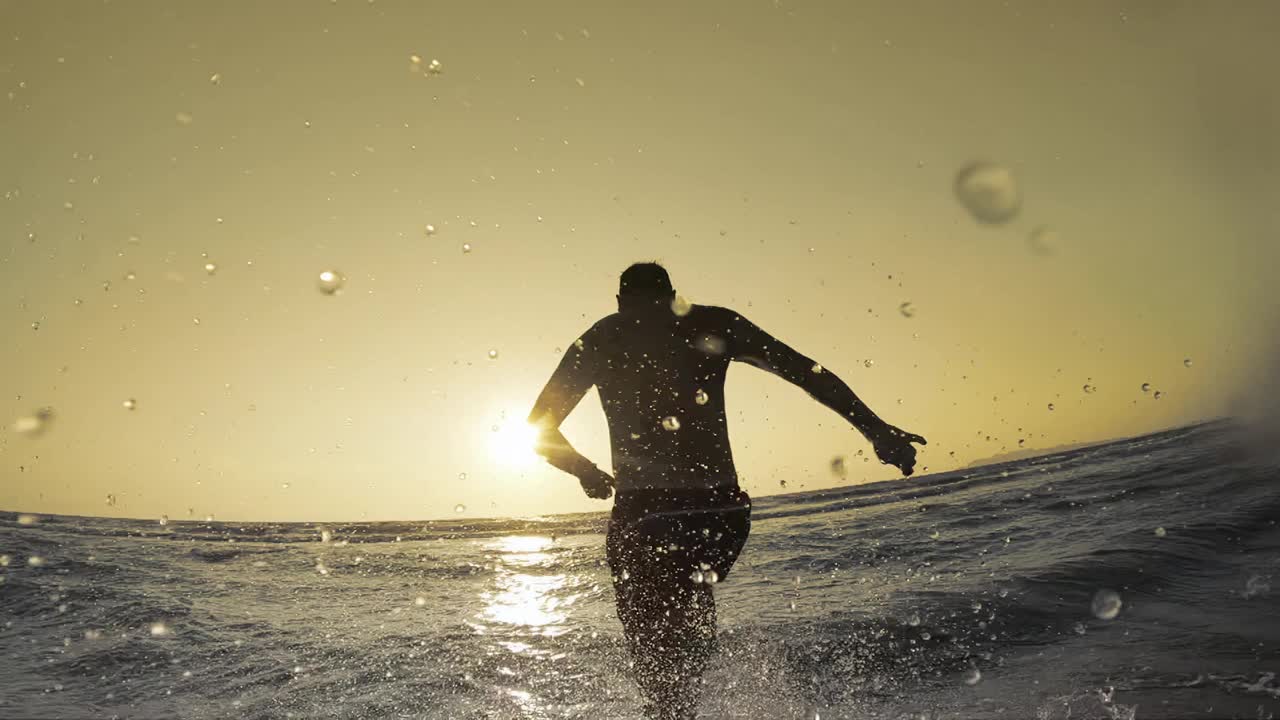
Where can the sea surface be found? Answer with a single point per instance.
(973, 594)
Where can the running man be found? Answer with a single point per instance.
(679, 519)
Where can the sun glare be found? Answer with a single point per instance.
(512, 444)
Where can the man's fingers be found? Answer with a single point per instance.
(912, 437)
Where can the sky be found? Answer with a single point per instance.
(795, 161)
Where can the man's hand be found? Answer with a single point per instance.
(893, 447)
(596, 483)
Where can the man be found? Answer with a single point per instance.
(680, 519)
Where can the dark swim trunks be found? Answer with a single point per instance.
(677, 534)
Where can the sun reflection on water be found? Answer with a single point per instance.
(528, 603)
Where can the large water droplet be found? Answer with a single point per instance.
(210, 268)
(330, 282)
(1106, 604)
(129, 404)
(1050, 406)
(459, 508)
(711, 344)
(493, 354)
(671, 423)
(164, 520)
(28, 519)
(1186, 362)
(988, 192)
(907, 309)
(215, 79)
(838, 467)
(431, 229)
(1146, 387)
(868, 362)
(466, 248)
(420, 601)
(1089, 388)
(1161, 532)
(34, 424)
(1159, 394)
(701, 397)
(681, 306)
(972, 676)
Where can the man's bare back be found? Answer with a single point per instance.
(680, 518)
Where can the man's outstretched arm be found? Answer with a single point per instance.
(570, 381)
(757, 347)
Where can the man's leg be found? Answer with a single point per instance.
(669, 624)
(668, 619)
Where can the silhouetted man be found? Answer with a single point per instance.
(679, 519)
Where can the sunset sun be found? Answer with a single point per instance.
(511, 444)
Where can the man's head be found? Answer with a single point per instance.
(644, 287)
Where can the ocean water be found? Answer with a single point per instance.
(961, 595)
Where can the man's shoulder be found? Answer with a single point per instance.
(715, 315)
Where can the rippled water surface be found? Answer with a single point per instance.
(967, 594)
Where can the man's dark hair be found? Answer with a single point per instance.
(647, 279)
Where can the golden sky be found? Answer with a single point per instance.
(792, 160)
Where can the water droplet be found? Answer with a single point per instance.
(164, 520)
(325, 535)
(330, 282)
(581, 82)
(92, 634)
(35, 325)
(1106, 604)
(493, 354)
(184, 118)
(129, 404)
(462, 476)
(793, 606)
(459, 508)
(972, 676)
(696, 576)
(681, 306)
(1042, 241)
(816, 368)
(1050, 406)
(466, 247)
(210, 268)
(35, 561)
(907, 309)
(988, 192)
(701, 397)
(434, 67)
(914, 620)
(1186, 362)
(711, 344)
(111, 500)
(28, 519)
(34, 424)
(838, 467)
(710, 577)
(671, 423)
(1146, 387)
(1089, 388)
(1159, 394)
(431, 229)
(868, 362)
(215, 79)
(1078, 628)
(1161, 532)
